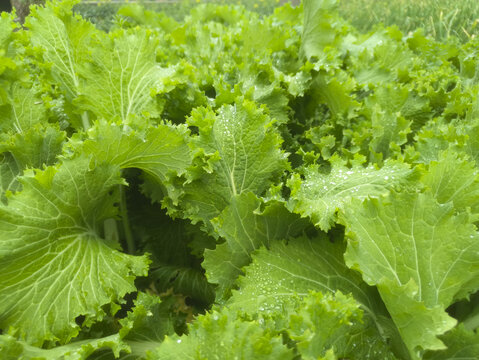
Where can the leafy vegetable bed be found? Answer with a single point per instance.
(236, 187)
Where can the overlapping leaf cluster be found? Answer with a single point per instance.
(236, 187)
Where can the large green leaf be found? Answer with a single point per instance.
(54, 264)
(36, 146)
(296, 268)
(123, 73)
(319, 27)
(420, 255)
(243, 154)
(461, 345)
(65, 40)
(245, 228)
(25, 110)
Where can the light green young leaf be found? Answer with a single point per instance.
(54, 264)
(35, 147)
(389, 132)
(245, 228)
(320, 196)
(223, 335)
(334, 323)
(417, 252)
(336, 91)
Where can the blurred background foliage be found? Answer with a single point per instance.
(440, 19)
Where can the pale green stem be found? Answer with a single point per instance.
(126, 222)
(85, 120)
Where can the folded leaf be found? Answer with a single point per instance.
(12, 349)
(160, 151)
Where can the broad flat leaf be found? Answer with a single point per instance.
(418, 324)
(223, 336)
(419, 254)
(159, 150)
(319, 196)
(335, 323)
(12, 349)
(453, 178)
(123, 73)
(65, 43)
(245, 228)
(54, 264)
(296, 268)
(244, 156)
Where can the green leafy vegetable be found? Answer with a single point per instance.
(236, 186)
